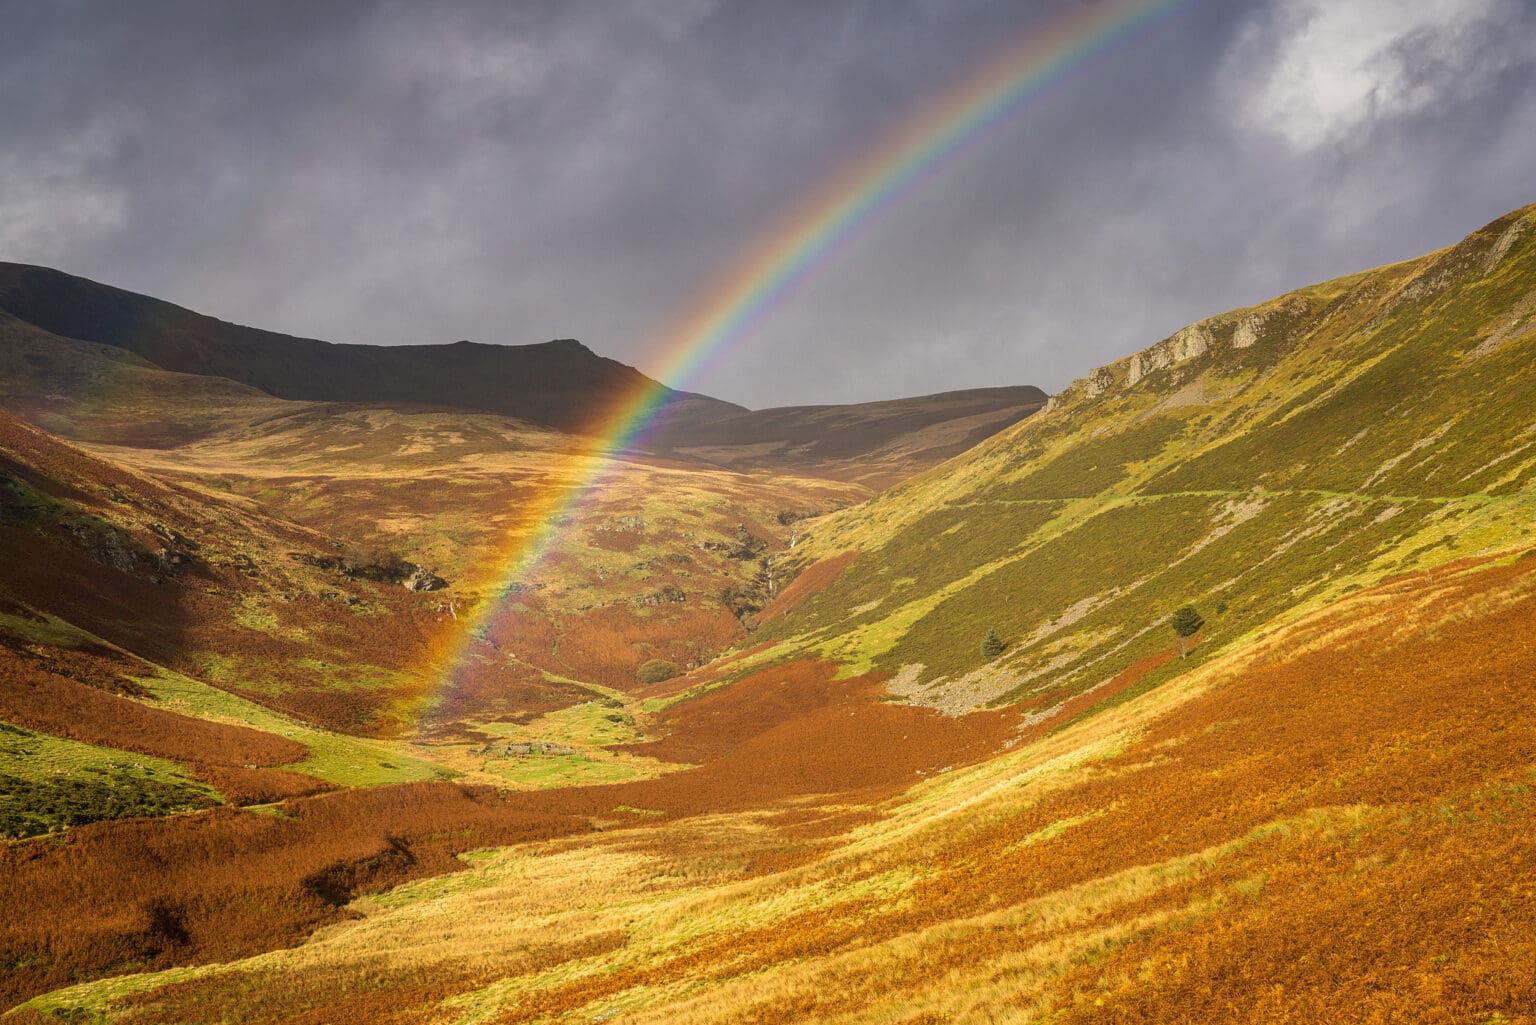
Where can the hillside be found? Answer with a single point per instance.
(124, 594)
(318, 585)
(637, 570)
(560, 384)
(97, 364)
(1257, 464)
(1331, 824)
(89, 392)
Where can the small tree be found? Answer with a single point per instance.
(992, 645)
(1186, 623)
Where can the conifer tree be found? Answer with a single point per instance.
(1186, 623)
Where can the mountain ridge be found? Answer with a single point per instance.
(66, 332)
(872, 443)
(560, 383)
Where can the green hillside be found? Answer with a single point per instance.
(1254, 464)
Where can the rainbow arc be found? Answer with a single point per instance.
(769, 270)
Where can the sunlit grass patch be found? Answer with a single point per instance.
(547, 771)
(41, 628)
(360, 762)
(599, 723)
(333, 757)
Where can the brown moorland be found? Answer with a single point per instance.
(242, 882)
(1328, 825)
(54, 704)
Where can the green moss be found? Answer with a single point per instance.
(1089, 467)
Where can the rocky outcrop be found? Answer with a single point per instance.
(1234, 331)
(1246, 334)
(421, 579)
(108, 545)
(1098, 382)
(745, 546)
(385, 569)
(1194, 340)
(667, 595)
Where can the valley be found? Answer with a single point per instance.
(337, 688)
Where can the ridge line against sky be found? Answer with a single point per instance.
(512, 173)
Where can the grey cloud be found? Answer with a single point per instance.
(1316, 73)
(394, 173)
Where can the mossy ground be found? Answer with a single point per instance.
(48, 783)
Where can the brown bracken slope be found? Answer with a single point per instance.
(1330, 826)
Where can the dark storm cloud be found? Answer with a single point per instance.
(513, 172)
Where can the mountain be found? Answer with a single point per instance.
(850, 808)
(89, 392)
(872, 443)
(560, 384)
(98, 364)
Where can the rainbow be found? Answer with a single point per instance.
(783, 257)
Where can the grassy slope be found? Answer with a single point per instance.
(170, 571)
(1320, 826)
(333, 757)
(90, 596)
(1371, 425)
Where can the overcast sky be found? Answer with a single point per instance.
(514, 172)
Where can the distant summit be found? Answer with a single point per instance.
(560, 384)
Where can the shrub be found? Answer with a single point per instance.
(30, 807)
(992, 645)
(656, 670)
